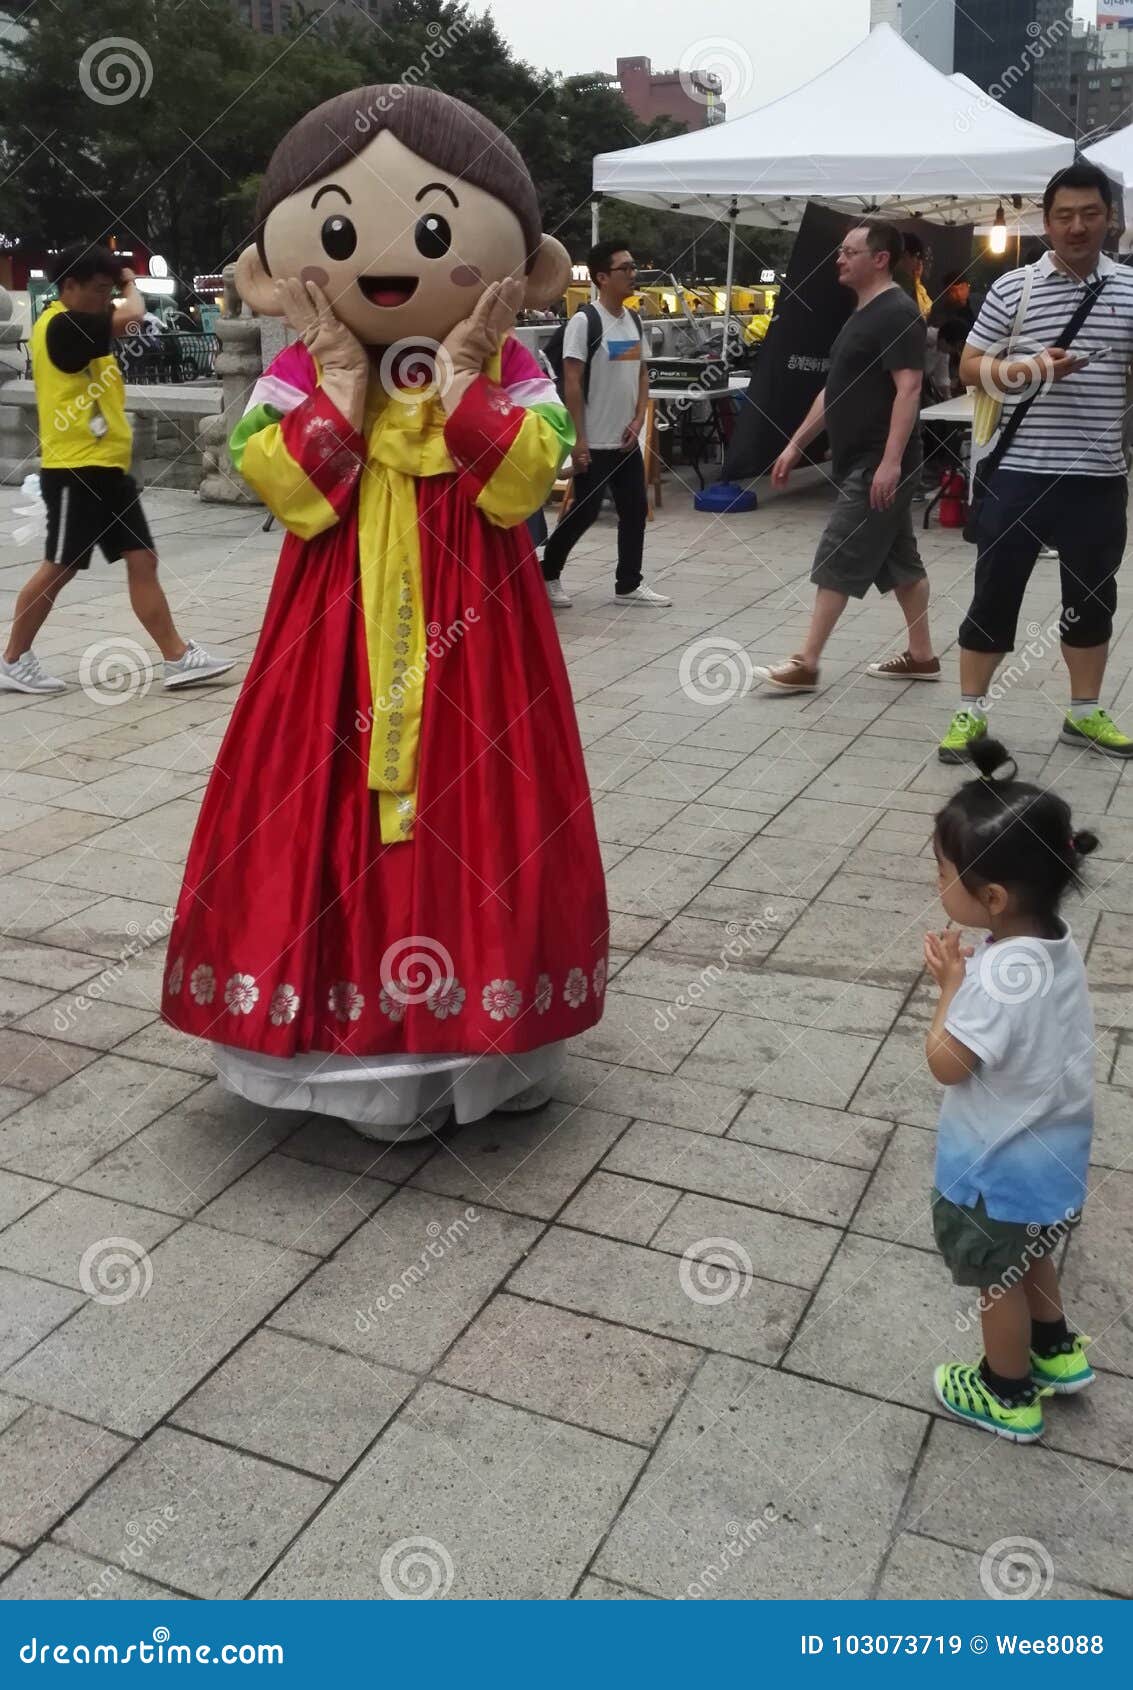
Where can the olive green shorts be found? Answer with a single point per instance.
(983, 1252)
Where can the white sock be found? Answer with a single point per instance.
(1082, 707)
(973, 703)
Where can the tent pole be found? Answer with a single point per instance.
(594, 204)
(733, 213)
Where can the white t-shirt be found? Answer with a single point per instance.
(1017, 1131)
(615, 374)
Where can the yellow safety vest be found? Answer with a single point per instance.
(67, 403)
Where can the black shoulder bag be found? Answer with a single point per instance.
(988, 465)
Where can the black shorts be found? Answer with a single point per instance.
(88, 508)
(1083, 518)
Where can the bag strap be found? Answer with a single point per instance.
(1064, 341)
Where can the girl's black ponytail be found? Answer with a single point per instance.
(989, 757)
(1083, 842)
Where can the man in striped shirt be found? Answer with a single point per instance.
(1062, 482)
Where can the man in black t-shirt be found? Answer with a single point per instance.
(869, 410)
(85, 445)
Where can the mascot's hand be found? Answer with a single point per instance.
(472, 342)
(340, 355)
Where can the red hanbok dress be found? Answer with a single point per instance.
(394, 899)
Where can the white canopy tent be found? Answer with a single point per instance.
(881, 131)
(1115, 155)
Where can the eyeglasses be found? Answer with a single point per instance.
(852, 251)
(631, 268)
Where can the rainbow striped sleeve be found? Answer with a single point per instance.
(508, 439)
(294, 447)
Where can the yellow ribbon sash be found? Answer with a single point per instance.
(405, 440)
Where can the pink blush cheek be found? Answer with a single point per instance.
(465, 276)
(313, 273)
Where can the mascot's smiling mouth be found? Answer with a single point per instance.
(388, 290)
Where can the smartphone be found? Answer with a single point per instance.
(1085, 358)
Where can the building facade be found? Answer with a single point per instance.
(694, 98)
(1020, 51)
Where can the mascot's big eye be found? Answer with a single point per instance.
(339, 237)
(433, 236)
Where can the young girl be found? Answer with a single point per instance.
(1013, 1041)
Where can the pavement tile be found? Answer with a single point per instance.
(18, 1194)
(54, 1573)
(296, 1402)
(780, 1059)
(629, 1209)
(497, 1502)
(408, 1281)
(47, 1462)
(28, 1310)
(332, 1144)
(571, 1367)
(745, 1173)
(70, 1238)
(976, 1491)
(34, 1064)
(286, 1202)
(198, 1148)
(750, 1447)
(530, 1164)
(1095, 1276)
(922, 1570)
(722, 1309)
(644, 1033)
(228, 1514)
(898, 1203)
(805, 1000)
(124, 1365)
(829, 1135)
(97, 1025)
(778, 1247)
(701, 1107)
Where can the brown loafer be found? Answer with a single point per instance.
(792, 676)
(906, 668)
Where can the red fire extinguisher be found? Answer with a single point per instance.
(953, 500)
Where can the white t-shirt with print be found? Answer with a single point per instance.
(615, 374)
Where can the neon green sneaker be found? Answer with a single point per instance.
(964, 727)
(1100, 732)
(960, 1389)
(1067, 1371)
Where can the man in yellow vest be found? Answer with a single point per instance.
(85, 448)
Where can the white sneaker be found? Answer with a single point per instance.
(25, 675)
(558, 595)
(641, 595)
(196, 665)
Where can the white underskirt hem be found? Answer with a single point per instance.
(389, 1098)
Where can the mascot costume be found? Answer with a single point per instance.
(394, 906)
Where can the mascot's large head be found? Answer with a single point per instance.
(402, 204)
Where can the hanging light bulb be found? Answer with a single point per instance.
(997, 240)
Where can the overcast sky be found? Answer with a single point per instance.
(762, 48)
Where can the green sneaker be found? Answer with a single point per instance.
(964, 727)
(1067, 1371)
(1099, 731)
(961, 1390)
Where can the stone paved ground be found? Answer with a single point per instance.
(556, 1407)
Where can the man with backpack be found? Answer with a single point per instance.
(604, 380)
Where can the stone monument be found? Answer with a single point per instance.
(239, 365)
